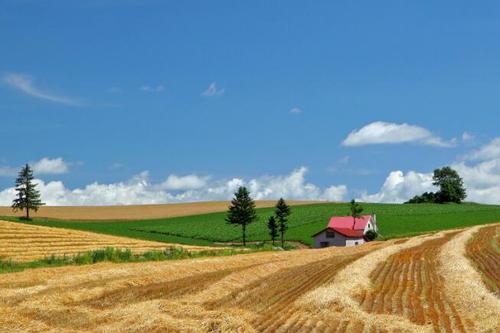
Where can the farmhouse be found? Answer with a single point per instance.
(345, 231)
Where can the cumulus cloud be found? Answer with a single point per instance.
(399, 187)
(295, 110)
(212, 90)
(189, 182)
(26, 84)
(47, 166)
(157, 89)
(480, 172)
(380, 132)
(140, 190)
(489, 151)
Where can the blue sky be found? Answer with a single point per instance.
(249, 90)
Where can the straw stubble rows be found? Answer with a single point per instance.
(392, 286)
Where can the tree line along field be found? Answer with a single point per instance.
(428, 283)
(394, 220)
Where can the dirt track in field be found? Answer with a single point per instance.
(23, 242)
(485, 257)
(136, 212)
(392, 286)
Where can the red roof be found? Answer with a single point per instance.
(348, 232)
(343, 225)
(347, 221)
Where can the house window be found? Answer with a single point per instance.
(356, 243)
(324, 244)
(330, 234)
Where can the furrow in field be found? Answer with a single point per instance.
(409, 279)
(470, 299)
(485, 257)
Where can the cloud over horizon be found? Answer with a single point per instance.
(480, 172)
(25, 83)
(140, 190)
(380, 132)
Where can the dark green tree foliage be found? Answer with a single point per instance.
(356, 211)
(282, 212)
(451, 188)
(272, 225)
(371, 235)
(427, 197)
(242, 211)
(451, 185)
(27, 197)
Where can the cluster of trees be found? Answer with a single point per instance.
(242, 213)
(451, 188)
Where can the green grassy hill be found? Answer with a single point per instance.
(394, 220)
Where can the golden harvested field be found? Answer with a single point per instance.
(23, 242)
(136, 212)
(422, 284)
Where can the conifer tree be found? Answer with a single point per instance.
(282, 213)
(242, 211)
(27, 197)
(272, 225)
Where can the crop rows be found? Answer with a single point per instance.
(23, 242)
(483, 249)
(290, 291)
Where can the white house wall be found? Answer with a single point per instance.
(338, 240)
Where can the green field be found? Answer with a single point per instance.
(394, 220)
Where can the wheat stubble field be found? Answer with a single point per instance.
(24, 242)
(137, 212)
(430, 283)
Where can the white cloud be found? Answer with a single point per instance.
(466, 136)
(212, 90)
(139, 190)
(158, 88)
(7, 171)
(189, 182)
(295, 110)
(45, 166)
(25, 84)
(399, 187)
(488, 151)
(380, 132)
(480, 172)
(48, 166)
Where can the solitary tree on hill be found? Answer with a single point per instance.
(272, 225)
(356, 211)
(451, 185)
(242, 211)
(282, 213)
(27, 197)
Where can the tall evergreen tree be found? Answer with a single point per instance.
(282, 213)
(356, 211)
(27, 197)
(272, 225)
(242, 211)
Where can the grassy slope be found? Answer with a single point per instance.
(393, 220)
